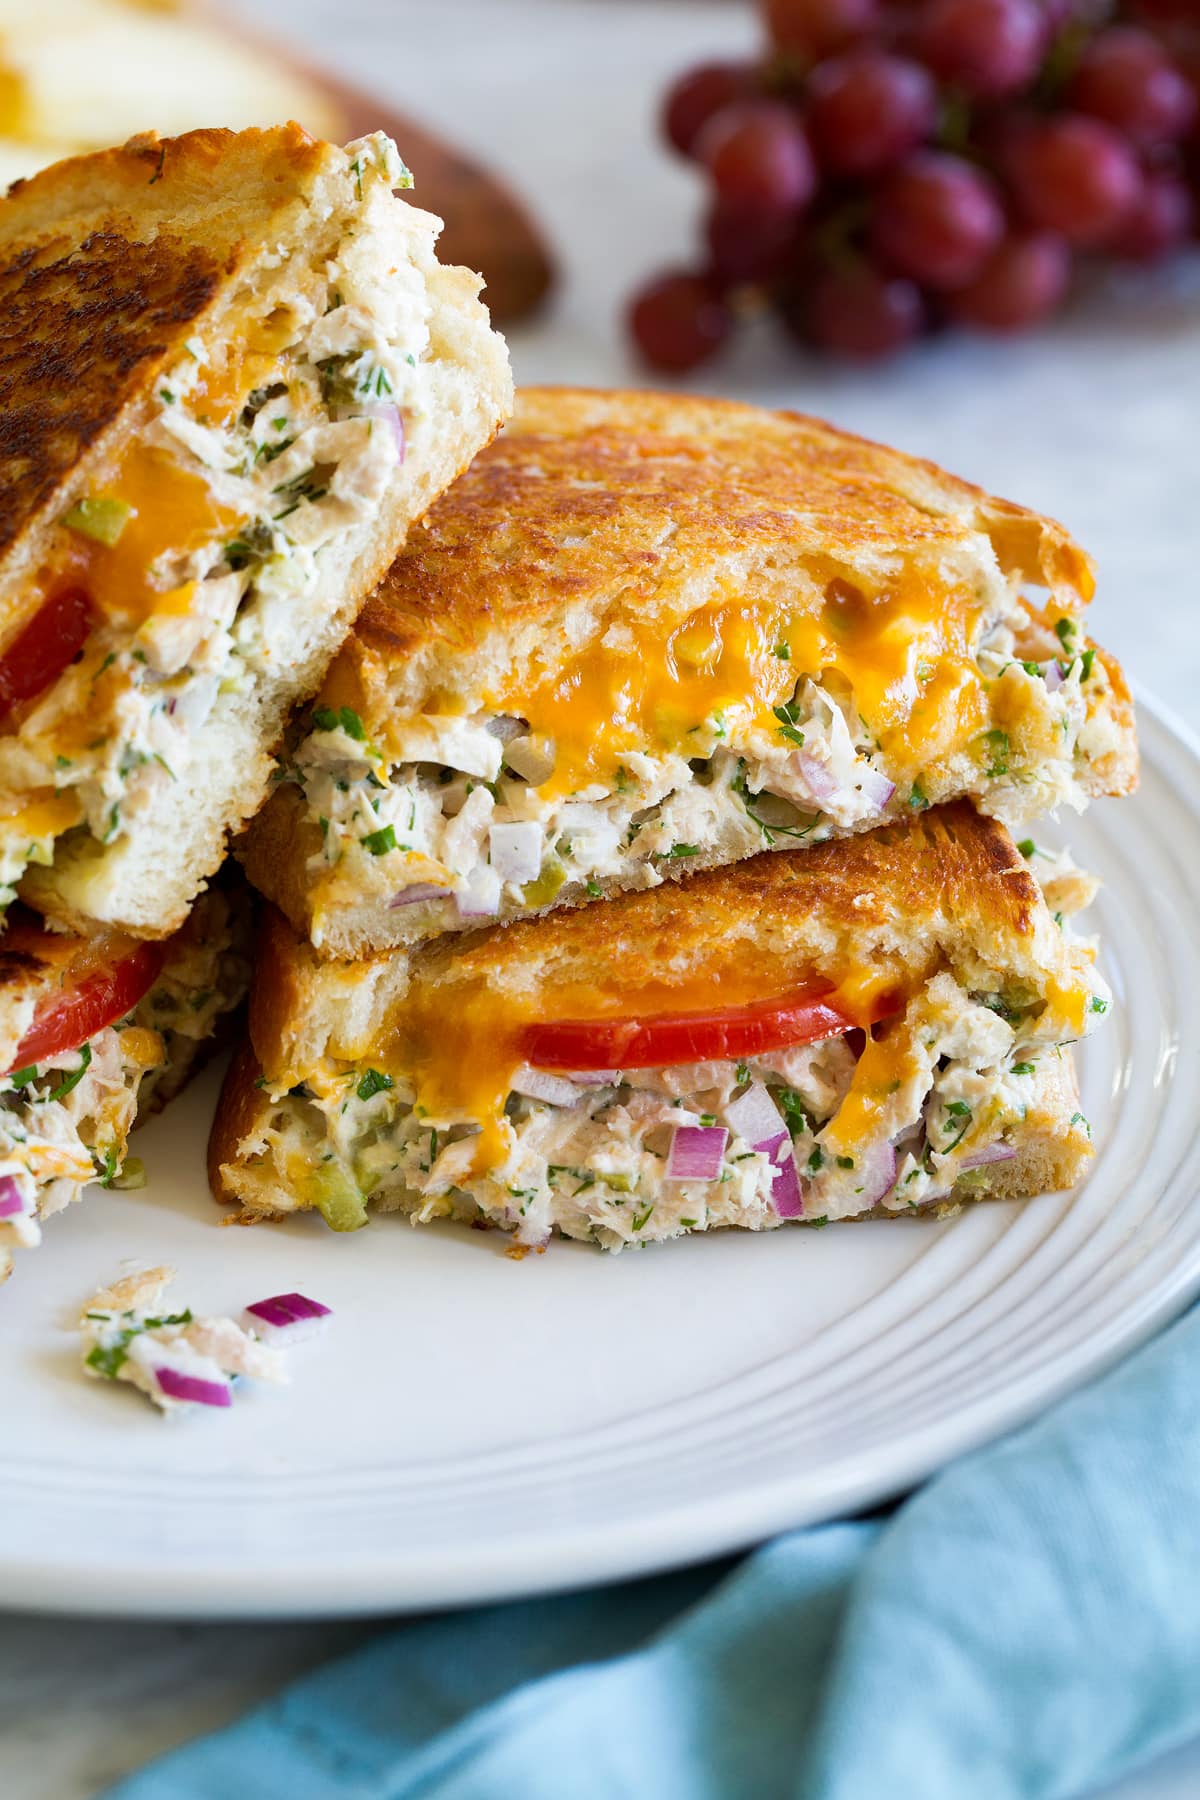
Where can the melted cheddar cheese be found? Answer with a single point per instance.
(906, 654)
(463, 1068)
(173, 513)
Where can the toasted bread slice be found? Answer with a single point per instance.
(233, 373)
(65, 1118)
(670, 633)
(442, 1081)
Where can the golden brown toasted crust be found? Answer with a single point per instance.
(946, 885)
(107, 262)
(239, 1108)
(607, 501)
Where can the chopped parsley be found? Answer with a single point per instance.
(1065, 631)
(817, 1159)
(997, 742)
(594, 891)
(678, 850)
(1027, 847)
(783, 652)
(69, 1082)
(1078, 1119)
(917, 797)
(794, 1112)
(742, 1073)
(1086, 660)
(1023, 1068)
(787, 714)
(373, 1082)
(326, 719)
(640, 1219)
(1098, 1005)
(845, 1162)
(381, 841)
(22, 1077)
(958, 1109)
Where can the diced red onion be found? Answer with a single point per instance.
(12, 1202)
(594, 1077)
(874, 787)
(479, 896)
(877, 1166)
(992, 1153)
(516, 851)
(696, 1153)
(1054, 677)
(292, 1317)
(536, 1084)
(178, 1386)
(754, 1116)
(414, 895)
(390, 414)
(787, 1195)
(819, 780)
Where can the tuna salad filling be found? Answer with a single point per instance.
(130, 1332)
(65, 1121)
(636, 1156)
(462, 818)
(243, 500)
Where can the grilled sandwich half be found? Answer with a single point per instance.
(878, 1025)
(645, 635)
(232, 373)
(95, 1033)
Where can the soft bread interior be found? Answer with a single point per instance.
(145, 880)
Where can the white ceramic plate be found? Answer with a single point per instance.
(472, 1427)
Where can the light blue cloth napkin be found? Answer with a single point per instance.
(1027, 1626)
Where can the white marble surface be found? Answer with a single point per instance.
(1095, 420)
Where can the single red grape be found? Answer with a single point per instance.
(1021, 282)
(678, 321)
(747, 245)
(759, 157)
(694, 98)
(811, 29)
(1160, 222)
(1126, 78)
(936, 219)
(988, 48)
(868, 109)
(1075, 176)
(861, 312)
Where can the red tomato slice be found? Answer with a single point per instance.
(661, 1042)
(39, 654)
(81, 1009)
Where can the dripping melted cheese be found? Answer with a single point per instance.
(905, 653)
(460, 1053)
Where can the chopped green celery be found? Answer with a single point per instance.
(132, 1175)
(336, 1196)
(101, 519)
(543, 890)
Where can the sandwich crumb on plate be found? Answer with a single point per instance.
(131, 1333)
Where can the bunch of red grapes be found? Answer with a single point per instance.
(891, 166)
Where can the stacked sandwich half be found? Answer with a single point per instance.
(645, 865)
(232, 373)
